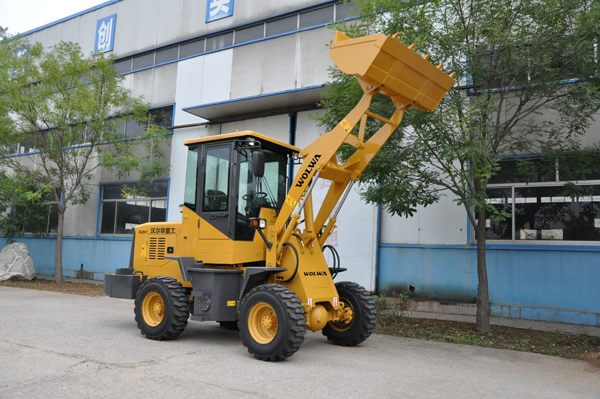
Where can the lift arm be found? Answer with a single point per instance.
(382, 65)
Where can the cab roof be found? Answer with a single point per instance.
(243, 134)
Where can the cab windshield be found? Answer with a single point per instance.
(257, 192)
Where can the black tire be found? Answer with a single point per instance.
(364, 316)
(161, 308)
(272, 322)
(229, 325)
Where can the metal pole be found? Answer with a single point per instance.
(344, 196)
(310, 188)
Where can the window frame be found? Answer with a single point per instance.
(523, 81)
(116, 201)
(513, 186)
(50, 204)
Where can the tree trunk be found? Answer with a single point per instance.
(483, 297)
(58, 270)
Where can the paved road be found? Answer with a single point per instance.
(66, 346)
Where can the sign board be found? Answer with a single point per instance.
(217, 9)
(105, 34)
(21, 52)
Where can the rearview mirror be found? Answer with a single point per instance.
(258, 163)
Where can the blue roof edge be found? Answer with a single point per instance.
(97, 7)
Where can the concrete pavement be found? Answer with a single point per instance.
(67, 346)
(464, 312)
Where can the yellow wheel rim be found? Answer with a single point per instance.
(153, 309)
(346, 318)
(262, 323)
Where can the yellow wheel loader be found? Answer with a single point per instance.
(241, 255)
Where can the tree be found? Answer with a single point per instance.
(527, 83)
(25, 207)
(67, 109)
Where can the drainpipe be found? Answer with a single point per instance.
(378, 249)
(292, 141)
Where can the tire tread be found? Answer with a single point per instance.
(181, 309)
(296, 329)
(369, 313)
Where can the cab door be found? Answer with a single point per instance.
(214, 200)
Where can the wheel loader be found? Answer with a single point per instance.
(248, 252)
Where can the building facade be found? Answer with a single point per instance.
(209, 67)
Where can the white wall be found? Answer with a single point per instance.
(284, 63)
(443, 223)
(200, 80)
(277, 127)
(143, 24)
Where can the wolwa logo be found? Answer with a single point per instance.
(315, 273)
(307, 171)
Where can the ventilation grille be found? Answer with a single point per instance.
(156, 248)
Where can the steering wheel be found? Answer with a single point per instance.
(255, 196)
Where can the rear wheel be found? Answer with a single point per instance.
(272, 322)
(161, 308)
(358, 316)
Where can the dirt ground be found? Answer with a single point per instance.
(544, 342)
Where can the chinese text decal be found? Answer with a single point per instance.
(217, 9)
(105, 34)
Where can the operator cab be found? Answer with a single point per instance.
(231, 177)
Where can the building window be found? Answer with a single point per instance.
(40, 218)
(26, 147)
(120, 212)
(316, 17)
(217, 42)
(123, 66)
(343, 10)
(283, 25)
(50, 218)
(162, 117)
(541, 203)
(191, 48)
(166, 55)
(143, 61)
(133, 128)
(515, 67)
(249, 34)
(45, 219)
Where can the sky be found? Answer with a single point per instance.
(20, 16)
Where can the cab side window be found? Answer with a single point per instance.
(216, 179)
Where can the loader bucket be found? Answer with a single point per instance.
(382, 61)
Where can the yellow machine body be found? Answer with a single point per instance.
(382, 65)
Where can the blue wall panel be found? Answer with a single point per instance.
(531, 284)
(98, 256)
(534, 284)
(441, 274)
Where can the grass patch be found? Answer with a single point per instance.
(551, 343)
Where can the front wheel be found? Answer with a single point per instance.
(358, 318)
(161, 308)
(272, 322)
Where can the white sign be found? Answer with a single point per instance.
(22, 52)
(217, 9)
(105, 34)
